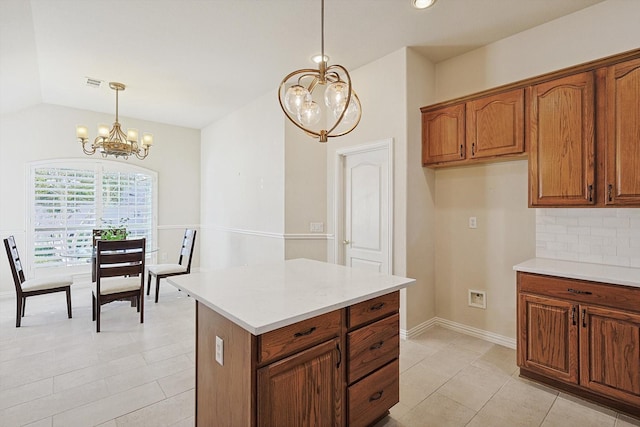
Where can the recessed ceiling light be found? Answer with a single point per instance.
(318, 57)
(422, 4)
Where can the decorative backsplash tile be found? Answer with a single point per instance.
(600, 236)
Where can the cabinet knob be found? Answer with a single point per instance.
(345, 242)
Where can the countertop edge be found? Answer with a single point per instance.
(603, 273)
(293, 319)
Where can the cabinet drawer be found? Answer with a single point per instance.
(581, 291)
(290, 339)
(373, 346)
(370, 398)
(373, 309)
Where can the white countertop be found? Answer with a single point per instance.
(627, 276)
(262, 298)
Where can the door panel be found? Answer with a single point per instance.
(366, 191)
(610, 352)
(623, 126)
(548, 343)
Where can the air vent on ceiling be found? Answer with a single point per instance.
(94, 83)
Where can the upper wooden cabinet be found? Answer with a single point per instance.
(482, 128)
(495, 125)
(622, 114)
(443, 135)
(562, 142)
(580, 127)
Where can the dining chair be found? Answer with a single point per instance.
(161, 271)
(32, 287)
(119, 274)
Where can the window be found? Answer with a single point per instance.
(70, 198)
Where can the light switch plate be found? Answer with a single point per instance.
(219, 351)
(316, 227)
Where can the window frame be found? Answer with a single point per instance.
(100, 167)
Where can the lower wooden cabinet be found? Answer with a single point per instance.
(337, 369)
(583, 337)
(301, 390)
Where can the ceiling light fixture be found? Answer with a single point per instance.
(422, 4)
(299, 103)
(115, 142)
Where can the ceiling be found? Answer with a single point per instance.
(190, 62)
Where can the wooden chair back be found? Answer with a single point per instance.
(188, 244)
(14, 261)
(120, 258)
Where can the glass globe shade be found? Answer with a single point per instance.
(352, 113)
(309, 114)
(295, 97)
(335, 95)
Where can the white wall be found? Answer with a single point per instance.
(243, 179)
(421, 219)
(48, 132)
(496, 193)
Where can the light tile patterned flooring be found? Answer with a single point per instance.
(59, 372)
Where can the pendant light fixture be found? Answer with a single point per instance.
(115, 142)
(300, 101)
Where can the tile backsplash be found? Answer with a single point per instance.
(600, 236)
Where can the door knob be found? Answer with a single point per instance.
(346, 242)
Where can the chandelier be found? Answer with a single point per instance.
(115, 142)
(302, 106)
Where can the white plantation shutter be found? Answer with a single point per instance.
(71, 198)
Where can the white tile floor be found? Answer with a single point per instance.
(59, 372)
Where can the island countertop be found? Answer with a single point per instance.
(627, 276)
(262, 298)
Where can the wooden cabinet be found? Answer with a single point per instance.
(336, 369)
(373, 348)
(483, 128)
(301, 390)
(582, 337)
(495, 125)
(622, 152)
(548, 338)
(443, 135)
(562, 142)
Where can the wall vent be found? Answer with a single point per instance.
(94, 83)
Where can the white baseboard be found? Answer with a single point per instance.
(458, 327)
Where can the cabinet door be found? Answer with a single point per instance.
(562, 143)
(548, 338)
(610, 353)
(495, 125)
(622, 152)
(302, 390)
(443, 135)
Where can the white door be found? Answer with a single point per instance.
(367, 204)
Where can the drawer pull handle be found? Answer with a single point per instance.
(376, 345)
(376, 307)
(376, 396)
(584, 318)
(339, 355)
(578, 291)
(307, 332)
(573, 315)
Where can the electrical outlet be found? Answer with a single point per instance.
(473, 222)
(477, 299)
(219, 351)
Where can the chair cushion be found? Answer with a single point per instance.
(46, 283)
(112, 285)
(160, 269)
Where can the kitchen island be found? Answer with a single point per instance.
(295, 343)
